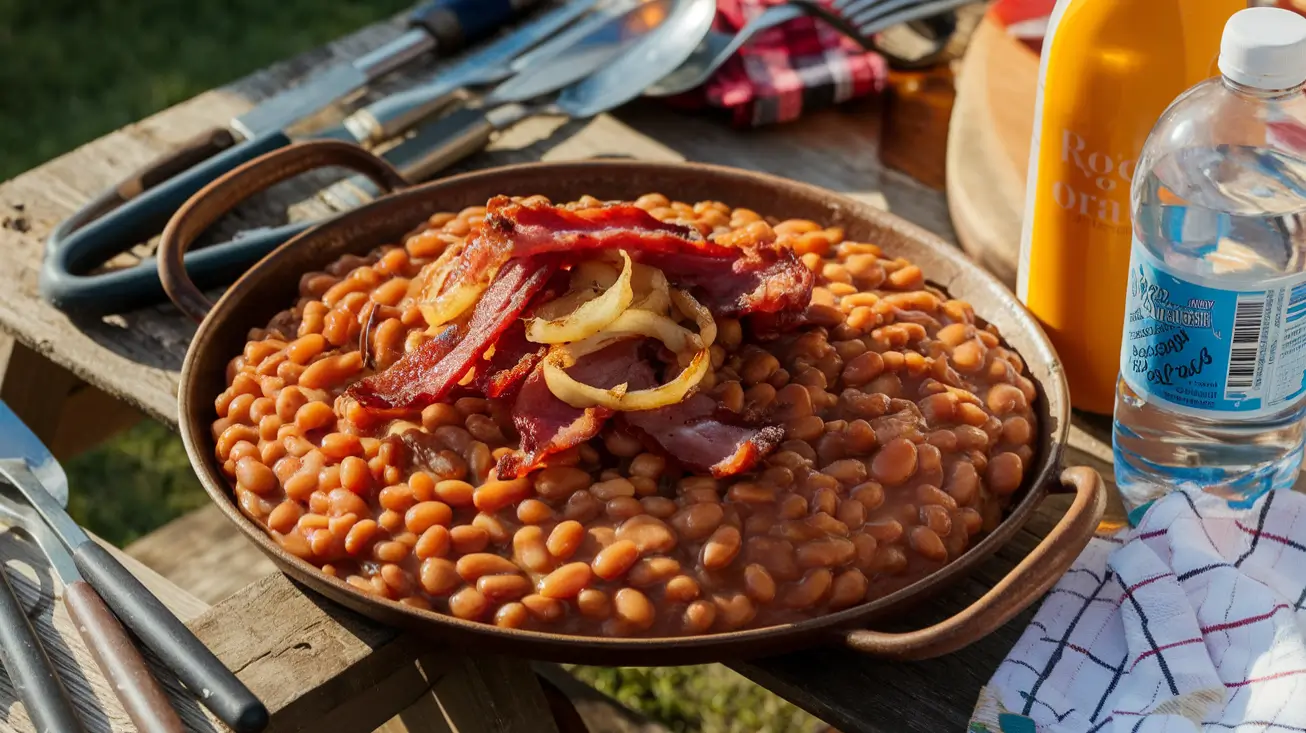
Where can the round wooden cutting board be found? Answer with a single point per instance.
(988, 146)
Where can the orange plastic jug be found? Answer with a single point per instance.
(1109, 69)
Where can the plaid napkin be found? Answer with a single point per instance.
(1193, 621)
(785, 71)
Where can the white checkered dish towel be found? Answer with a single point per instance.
(1193, 621)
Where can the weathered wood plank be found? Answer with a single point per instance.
(202, 553)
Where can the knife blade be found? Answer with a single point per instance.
(216, 687)
(437, 26)
(115, 654)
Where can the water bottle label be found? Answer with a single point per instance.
(1211, 352)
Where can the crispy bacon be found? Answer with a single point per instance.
(732, 281)
(548, 425)
(514, 358)
(428, 374)
(703, 437)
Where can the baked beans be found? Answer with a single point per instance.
(908, 425)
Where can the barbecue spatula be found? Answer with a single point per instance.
(28, 465)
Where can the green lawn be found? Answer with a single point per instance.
(72, 70)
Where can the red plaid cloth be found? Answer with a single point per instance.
(1193, 621)
(785, 71)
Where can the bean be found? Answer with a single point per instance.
(659, 506)
(825, 500)
(852, 513)
(648, 465)
(485, 429)
(828, 552)
(622, 445)
(338, 446)
(734, 610)
(697, 521)
(721, 548)
(624, 507)
(634, 608)
(1004, 399)
(254, 476)
(1005, 473)
(546, 609)
(494, 528)
(565, 539)
(593, 603)
(495, 495)
(699, 617)
(759, 584)
(680, 588)
(649, 534)
(649, 571)
(468, 603)
(582, 507)
(473, 566)
(971, 520)
(331, 371)
(927, 544)
(566, 581)
(360, 536)
(1017, 430)
(559, 482)
(434, 542)
(970, 437)
(746, 492)
(503, 587)
(343, 501)
(438, 576)
(885, 530)
(390, 520)
(467, 539)
(937, 518)
(611, 489)
(895, 462)
(427, 514)
(355, 475)
(440, 414)
(398, 498)
(806, 429)
(511, 616)
(809, 591)
(849, 589)
(862, 369)
(455, 493)
(866, 546)
(615, 559)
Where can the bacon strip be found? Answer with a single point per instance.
(703, 437)
(732, 281)
(513, 360)
(548, 425)
(428, 374)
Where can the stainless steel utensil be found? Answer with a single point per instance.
(639, 61)
(29, 467)
(30, 670)
(860, 20)
(113, 650)
(136, 209)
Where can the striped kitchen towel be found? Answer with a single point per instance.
(1193, 621)
(786, 71)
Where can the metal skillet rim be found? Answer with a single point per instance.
(196, 414)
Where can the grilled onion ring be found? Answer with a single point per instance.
(588, 318)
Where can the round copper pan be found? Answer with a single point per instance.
(272, 284)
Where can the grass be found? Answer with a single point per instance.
(73, 70)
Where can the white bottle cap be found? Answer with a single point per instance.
(1264, 48)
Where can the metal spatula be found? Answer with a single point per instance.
(28, 465)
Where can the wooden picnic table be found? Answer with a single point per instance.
(316, 665)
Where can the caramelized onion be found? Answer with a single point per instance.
(579, 395)
(589, 316)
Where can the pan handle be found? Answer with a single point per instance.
(224, 193)
(1033, 577)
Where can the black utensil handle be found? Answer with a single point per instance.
(215, 686)
(456, 23)
(30, 670)
(122, 664)
(191, 153)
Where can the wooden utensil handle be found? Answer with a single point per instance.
(220, 196)
(29, 668)
(116, 654)
(1033, 577)
(216, 687)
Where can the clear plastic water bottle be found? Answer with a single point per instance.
(1212, 382)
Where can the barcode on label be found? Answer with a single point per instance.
(1245, 355)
